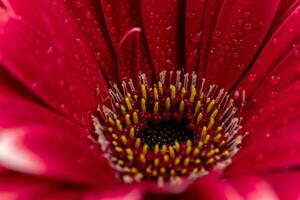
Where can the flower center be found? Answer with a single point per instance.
(170, 131)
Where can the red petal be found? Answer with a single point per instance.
(131, 58)
(17, 186)
(211, 15)
(279, 152)
(210, 187)
(52, 61)
(240, 30)
(118, 193)
(162, 32)
(37, 141)
(121, 17)
(193, 32)
(278, 46)
(87, 16)
(281, 79)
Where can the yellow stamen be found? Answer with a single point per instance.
(135, 118)
(210, 153)
(124, 139)
(219, 129)
(111, 121)
(143, 105)
(166, 158)
(118, 149)
(143, 91)
(186, 162)
(226, 153)
(156, 162)
(188, 147)
(193, 94)
(200, 145)
(130, 157)
(177, 161)
(209, 161)
(196, 151)
(115, 136)
(119, 125)
(131, 133)
(183, 91)
(128, 104)
(197, 161)
(134, 170)
(177, 146)
(115, 143)
(162, 170)
(210, 123)
(160, 88)
(214, 114)
(172, 172)
(137, 143)
(183, 171)
(155, 93)
(142, 158)
(203, 133)
(164, 149)
(168, 104)
(127, 119)
(156, 149)
(172, 152)
(110, 129)
(206, 140)
(156, 108)
(181, 107)
(145, 148)
(218, 137)
(197, 107)
(210, 106)
(123, 110)
(199, 118)
(173, 91)
(120, 162)
(129, 151)
(154, 173)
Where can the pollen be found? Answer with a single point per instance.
(169, 130)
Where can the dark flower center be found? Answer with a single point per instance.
(170, 131)
(165, 132)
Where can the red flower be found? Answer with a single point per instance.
(182, 99)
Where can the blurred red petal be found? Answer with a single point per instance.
(276, 49)
(162, 32)
(280, 151)
(193, 32)
(88, 17)
(239, 31)
(51, 60)
(131, 58)
(37, 141)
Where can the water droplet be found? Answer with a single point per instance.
(246, 14)
(248, 26)
(168, 28)
(297, 53)
(275, 41)
(252, 77)
(196, 37)
(274, 80)
(108, 8)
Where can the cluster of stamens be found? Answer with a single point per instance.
(168, 132)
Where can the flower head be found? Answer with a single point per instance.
(142, 99)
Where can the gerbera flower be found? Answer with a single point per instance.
(149, 99)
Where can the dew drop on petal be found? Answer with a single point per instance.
(274, 80)
(252, 77)
(248, 26)
(297, 53)
(196, 37)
